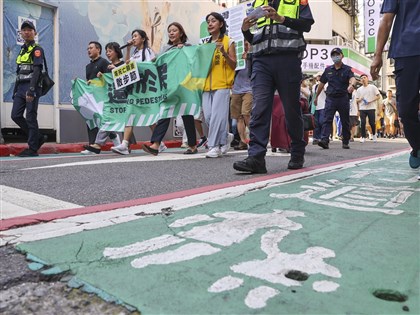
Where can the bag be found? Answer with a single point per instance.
(46, 83)
(308, 122)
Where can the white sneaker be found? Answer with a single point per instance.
(86, 152)
(184, 145)
(362, 140)
(162, 147)
(370, 137)
(116, 141)
(374, 138)
(121, 149)
(214, 153)
(225, 148)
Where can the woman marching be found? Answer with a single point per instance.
(141, 53)
(177, 40)
(217, 87)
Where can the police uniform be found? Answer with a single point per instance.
(404, 49)
(277, 51)
(337, 100)
(29, 68)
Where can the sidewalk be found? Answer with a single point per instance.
(13, 149)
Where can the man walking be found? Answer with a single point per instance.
(406, 53)
(341, 82)
(366, 98)
(276, 64)
(27, 90)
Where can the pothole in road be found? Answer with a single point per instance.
(297, 275)
(390, 295)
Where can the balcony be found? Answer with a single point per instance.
(350, 6)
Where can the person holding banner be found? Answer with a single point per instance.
(278, 48)
(177, 39)
(217, 87)
(142, 52)
(114, 54)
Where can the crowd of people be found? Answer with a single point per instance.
(236, 101)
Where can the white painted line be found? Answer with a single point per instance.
(16, 202)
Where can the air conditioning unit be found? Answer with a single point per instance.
(337, 41)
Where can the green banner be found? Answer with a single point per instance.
(172, 85)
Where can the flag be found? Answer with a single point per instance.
(172, 85)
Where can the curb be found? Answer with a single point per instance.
(14, 149)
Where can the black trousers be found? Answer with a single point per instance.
(163, 125)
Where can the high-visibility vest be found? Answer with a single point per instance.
(289, 8)
(25, 62)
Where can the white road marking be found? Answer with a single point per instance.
(225, 284)
(325, 286)
(16, 202)
(258, 297)
(91, 221)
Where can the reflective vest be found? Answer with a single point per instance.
(289, 8)
(221, 74)
(25, 63)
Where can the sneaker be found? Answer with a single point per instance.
(184, 145)
(345, 146)
(413, 161)
(203, 142)
(116, 141)
(86, 152)
(315, 142)
(234, 143)
(374, 138)
(121, 149)
(162, 147)
(93, 149)
(27, 153)
(370, 137)
(296, 162)
(214, 153)
(251, 165)
(225, 148)
(362, 140)
(323, 144)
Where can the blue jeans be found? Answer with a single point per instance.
(319, 118)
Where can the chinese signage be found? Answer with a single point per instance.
(125, 75)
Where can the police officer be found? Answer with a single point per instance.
(341, 82)
(27, 90)
(278, 48)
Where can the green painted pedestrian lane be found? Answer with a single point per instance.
(343, 242)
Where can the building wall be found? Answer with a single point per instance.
(342, 22)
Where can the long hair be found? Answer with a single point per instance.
(184, 36)
(221, 19)
(115, 47)
(145, 43)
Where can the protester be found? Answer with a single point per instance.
(341, 82)
(390, 114)
(97, 64)
(277, 51)
(142, 52)
(366, 98)
(177, 39)
(27, 91)
(217, 87)
(114, 54)
(241, 100)
(319, 111)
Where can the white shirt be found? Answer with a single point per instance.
(138, 55)
(321, 97)
(368, 94)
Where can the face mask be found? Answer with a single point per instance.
(336, 59)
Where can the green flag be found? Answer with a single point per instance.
(170, 86)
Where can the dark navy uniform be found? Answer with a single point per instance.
(277, 50)
(29, 68)
(337, 100)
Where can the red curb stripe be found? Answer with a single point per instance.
(7, 224)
